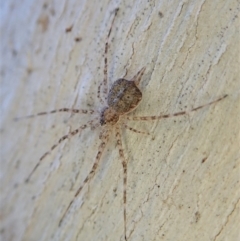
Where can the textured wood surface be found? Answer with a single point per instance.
(183, 182)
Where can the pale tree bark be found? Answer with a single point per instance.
(183, 181)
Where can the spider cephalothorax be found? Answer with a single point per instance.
(109, 116)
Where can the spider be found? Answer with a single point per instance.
(122, 98)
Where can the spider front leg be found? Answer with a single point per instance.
(124, 164)
(99, 94)
(104, 137)
(105, 70)
(72, 133)
(149, 118)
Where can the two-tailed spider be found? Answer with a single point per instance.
(122, 98)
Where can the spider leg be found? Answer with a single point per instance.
(104, 139)
(99, 94)
(148, 118)
(135, 130)
(124, 164)
(72, 133)
(73, 111)
(105, 84)
(138, 76)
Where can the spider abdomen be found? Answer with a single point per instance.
(124, 96)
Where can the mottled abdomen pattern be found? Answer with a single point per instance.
(124, 96)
